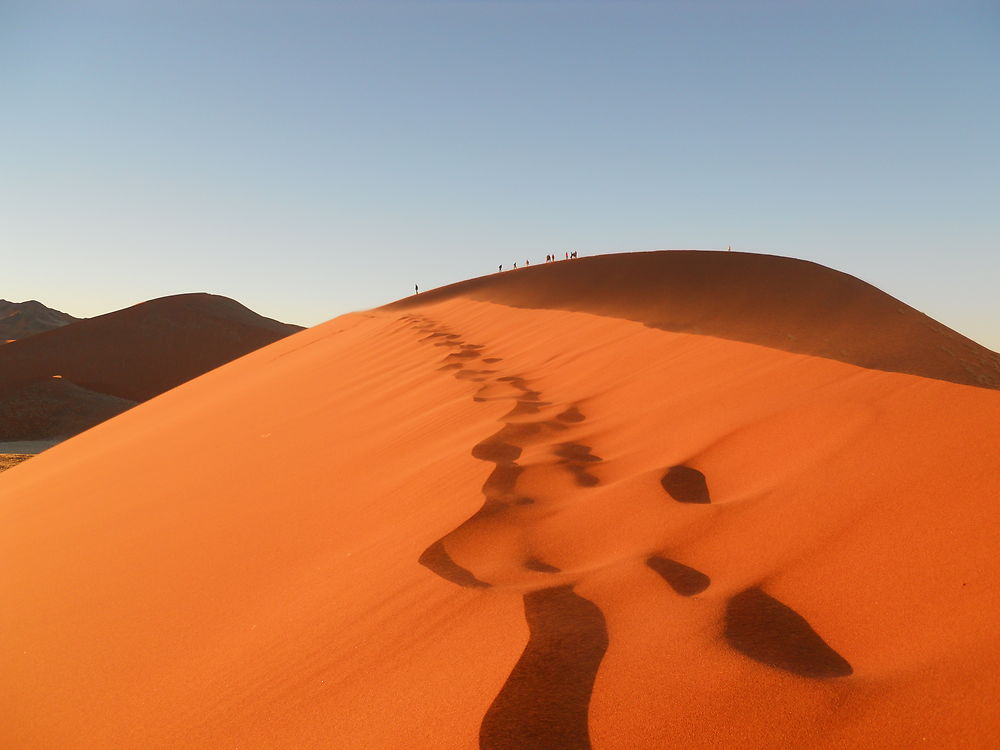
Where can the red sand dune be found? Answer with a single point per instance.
(143, 350)
(785, 303)
(120, 358)
(455, 523)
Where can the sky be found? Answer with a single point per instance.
(310, 157)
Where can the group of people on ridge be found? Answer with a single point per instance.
(552, 258)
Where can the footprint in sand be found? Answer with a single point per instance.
(545, 700)
(686, 485)
(682, 579)
(772, 633)
(575, 458)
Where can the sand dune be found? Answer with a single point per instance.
(63, 381)
(54, 408)
(785, 303)
(460, 523)
(143, 350)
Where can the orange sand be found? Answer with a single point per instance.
(237, 563)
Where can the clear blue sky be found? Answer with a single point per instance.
(310, 158)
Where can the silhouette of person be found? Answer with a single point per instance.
(567, 256)
(515, 264)
(416, 289)
(500, 267)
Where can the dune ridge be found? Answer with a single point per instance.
(785, 303)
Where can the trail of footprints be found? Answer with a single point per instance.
(544, 702)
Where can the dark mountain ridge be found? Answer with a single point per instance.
(19, 320)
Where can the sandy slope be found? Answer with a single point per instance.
(466, 525)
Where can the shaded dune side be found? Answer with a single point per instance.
(53, 409)
(141, 351)
(783, 303)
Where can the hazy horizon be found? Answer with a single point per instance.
(309, 159)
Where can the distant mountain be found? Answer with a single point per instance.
(62, 381)
(21, 319)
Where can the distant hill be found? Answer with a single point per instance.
(21, 319)
(62, 381)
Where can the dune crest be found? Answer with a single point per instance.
(785, 303)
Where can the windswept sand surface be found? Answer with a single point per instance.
(461, 524)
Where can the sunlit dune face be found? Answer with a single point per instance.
(10, 341)
(57, 376)
(545, 489)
